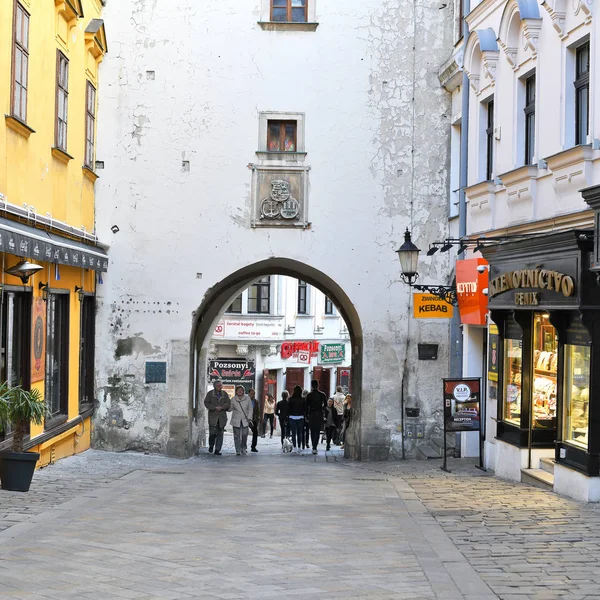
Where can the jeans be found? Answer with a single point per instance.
(240, 439)
(285, 429)
(315, 420)
(306, 434)
(215, 437)
(268, 418)
(330, 431)
(255, 437)
(297, 429)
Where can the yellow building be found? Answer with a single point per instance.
(50, 52)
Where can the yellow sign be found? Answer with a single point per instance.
(427, 306)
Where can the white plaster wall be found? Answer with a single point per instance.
(576, 485)
(377, 143)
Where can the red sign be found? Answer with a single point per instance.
(470, 283)
(289, 349)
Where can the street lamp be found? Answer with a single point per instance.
(408, 254)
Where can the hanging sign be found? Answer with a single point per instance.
(38, 337)
(332, 353)
(470, 283)
(428, 306)
(232, 372)
(462, 402)
(493, 349)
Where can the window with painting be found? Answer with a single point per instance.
(545, 368)
(576, 403)
(281, 136)
(289, 11)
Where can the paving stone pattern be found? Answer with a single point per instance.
(267, 525)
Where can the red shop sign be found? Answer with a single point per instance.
(470, 283)
(289, 349)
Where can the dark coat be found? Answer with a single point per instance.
(297, 406)
(211, 402)
(282, 410)
(316, 402)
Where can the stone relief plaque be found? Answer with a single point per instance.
(279, 196)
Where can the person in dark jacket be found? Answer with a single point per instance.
(217, 402)
(297, 411)
(316, 403)
(255, 419)
(306, 429)
(347, 418)
(331, 418)
(282, 410)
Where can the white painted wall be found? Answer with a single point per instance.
(377, 141)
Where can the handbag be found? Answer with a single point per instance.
(251, 423)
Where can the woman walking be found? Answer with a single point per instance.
(347, 417)
(283, 412)
(330, 422)
(297, 411)
(269, 415)
(241, 413)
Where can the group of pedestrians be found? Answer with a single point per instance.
(301, 416)
(305, 414)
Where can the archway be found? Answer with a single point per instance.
(221, 295)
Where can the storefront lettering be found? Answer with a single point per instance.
(533, 278)
(527, 299)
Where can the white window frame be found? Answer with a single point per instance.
(569, 92)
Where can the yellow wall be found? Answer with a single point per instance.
(29, 173)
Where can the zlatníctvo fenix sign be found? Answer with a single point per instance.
(541, 279)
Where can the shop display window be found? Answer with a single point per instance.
(513, 368)
(577, 395)
(545, 367)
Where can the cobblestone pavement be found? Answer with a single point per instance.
(105, 525)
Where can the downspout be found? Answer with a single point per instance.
(464, 134)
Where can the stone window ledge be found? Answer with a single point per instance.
(287, 156)
(18, 126)
(287, 26)
(89, 173)
(61, 155)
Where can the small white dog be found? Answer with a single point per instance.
(287, 445)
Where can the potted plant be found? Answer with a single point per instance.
(19, 408)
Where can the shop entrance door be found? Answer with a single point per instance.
(326, 382)
(293, 377)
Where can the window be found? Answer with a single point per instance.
(513, 361)
(57, 353)
(302, 298)
(87, 353)
(328, 306)
(20, 63)
(90, 124)
(529, 120)
(582, 93)
(577, 394)
(62, 100)
(16, 340)
(281, 136)
(259, 296)
(236, 305)
(292, 11)
(489, 142)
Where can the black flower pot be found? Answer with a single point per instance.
(16, 470)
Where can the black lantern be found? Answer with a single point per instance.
(408, 254)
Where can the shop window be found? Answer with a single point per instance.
(259, 296)
(281, 136)
(20, 63)
(302, 298)
(87, 353)
(513, 373)
(57, 354)
(576, 413)
(545, 367)
(236, 306)
(582, 93)
(62, 100)
(290, 11)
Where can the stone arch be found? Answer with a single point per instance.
(221, 294)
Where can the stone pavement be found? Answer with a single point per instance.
(267, 525)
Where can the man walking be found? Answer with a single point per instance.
(218, 403)
(282, 410)
(255, 419)
(316, 403)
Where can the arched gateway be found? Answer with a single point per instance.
(220, 296)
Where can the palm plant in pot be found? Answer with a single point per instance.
(19, 407)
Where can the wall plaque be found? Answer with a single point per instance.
(156, 372)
